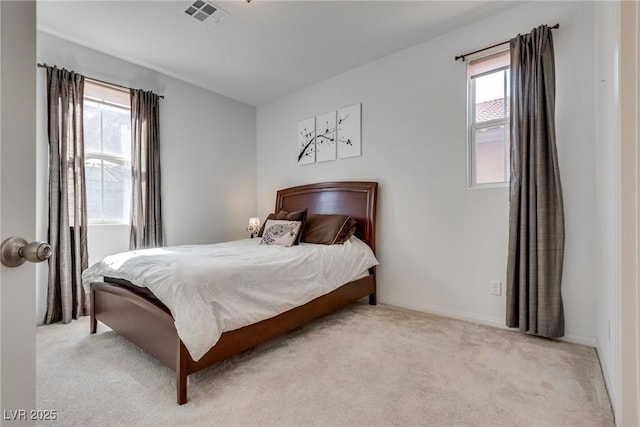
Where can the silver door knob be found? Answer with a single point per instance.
(15, 251)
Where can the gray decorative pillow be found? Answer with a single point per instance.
(280, 232)
(289, 216)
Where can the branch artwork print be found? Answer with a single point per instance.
(326, 137)
(349, 137)
(307, 141)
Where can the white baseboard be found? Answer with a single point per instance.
(607, 381)
(579, 339)
(477, 318)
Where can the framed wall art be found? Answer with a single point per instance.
(349, 131)
(307, 141)
(326, 137)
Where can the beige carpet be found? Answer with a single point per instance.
(362, 366)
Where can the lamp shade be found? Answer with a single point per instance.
(254, 224)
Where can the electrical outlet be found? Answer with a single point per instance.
(495, 288)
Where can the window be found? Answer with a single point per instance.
(107, 164)
(489, 90)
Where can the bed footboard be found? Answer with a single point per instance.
(137, 319)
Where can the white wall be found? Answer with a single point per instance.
(440, 243)
(208, 155)
(107, 239)
(607, 116)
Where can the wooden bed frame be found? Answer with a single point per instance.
(148, 324)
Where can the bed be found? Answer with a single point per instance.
(142, 319)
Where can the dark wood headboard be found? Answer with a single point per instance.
(354, 198)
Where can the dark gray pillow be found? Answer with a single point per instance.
(328, 229)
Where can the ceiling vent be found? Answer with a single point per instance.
(205, 12)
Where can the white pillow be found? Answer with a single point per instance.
(280, 232)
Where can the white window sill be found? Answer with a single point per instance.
(486, 186)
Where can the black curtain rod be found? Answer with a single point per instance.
(98, 81)
(464, 55)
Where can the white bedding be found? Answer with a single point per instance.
(215, 288)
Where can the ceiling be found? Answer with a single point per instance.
(263, 49)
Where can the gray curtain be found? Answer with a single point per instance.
(146, 212)
(67, 197)
(536, 215)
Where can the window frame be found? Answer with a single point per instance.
(102, 157)
(473, 127)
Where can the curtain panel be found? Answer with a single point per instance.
(536, 214)
(146, 209)
(67, 197)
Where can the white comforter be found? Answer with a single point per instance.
(211, 289)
